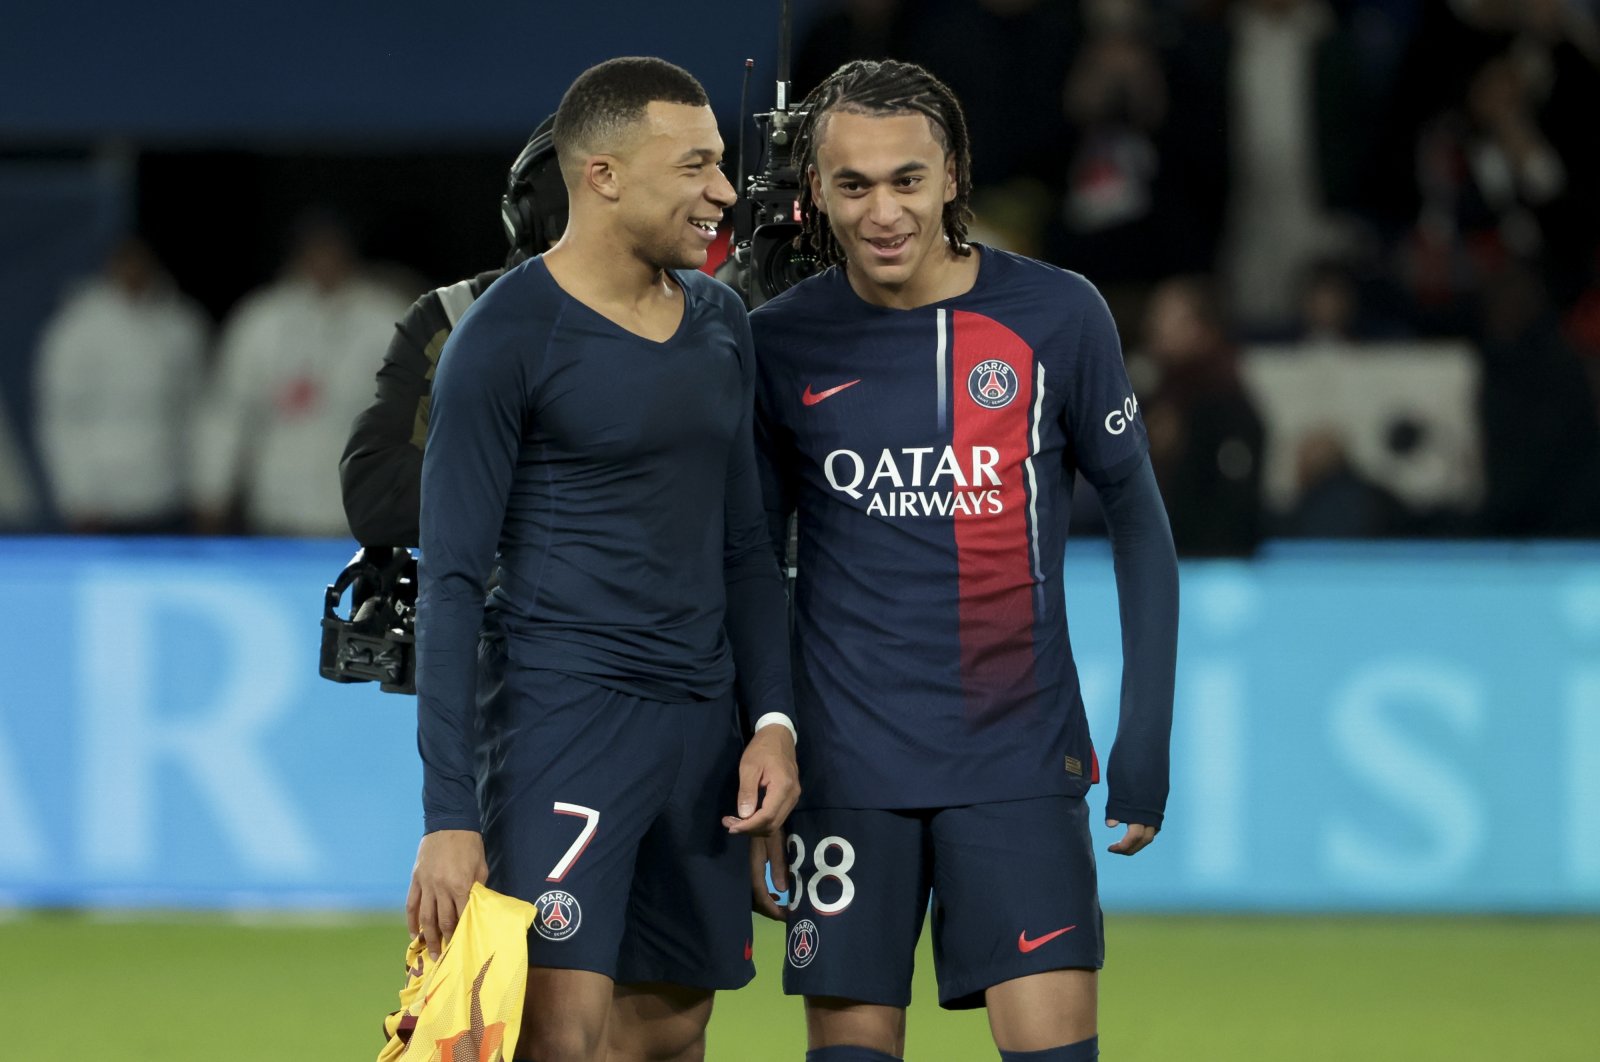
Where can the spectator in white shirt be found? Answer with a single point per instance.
(119, 368)
(294, 369)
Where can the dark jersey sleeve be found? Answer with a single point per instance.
(775, 463)
(1147, 599)
(1109, 444)
(381, 470)
(479, 404)
(1101, 412)
(757, 609)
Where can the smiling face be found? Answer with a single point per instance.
(671, 193)
(883, 182)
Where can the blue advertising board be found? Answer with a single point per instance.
(1393, 728)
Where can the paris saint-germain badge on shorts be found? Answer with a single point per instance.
(802, 943)
(559, 915)
(992, 383)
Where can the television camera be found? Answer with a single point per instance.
(766, 257)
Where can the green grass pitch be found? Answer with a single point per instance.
(79, 988)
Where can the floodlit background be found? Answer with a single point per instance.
(1354, 253)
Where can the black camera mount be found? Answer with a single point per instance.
(377, 641)
(767, 256)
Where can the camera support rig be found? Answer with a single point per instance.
(766, 255)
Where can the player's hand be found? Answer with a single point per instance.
(764, 850)
(1134, 839)
(448, 862)
(769, 783)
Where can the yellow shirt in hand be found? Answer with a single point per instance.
(467, 1006)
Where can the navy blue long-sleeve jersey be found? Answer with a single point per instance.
(930, 455)
(612, 481)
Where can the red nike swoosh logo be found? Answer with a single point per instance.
(747, 951)
(811, 399)
(1025, 945)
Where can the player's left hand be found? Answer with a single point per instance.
(1136, 838)
(769, 783)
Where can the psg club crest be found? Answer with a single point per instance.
(802, 943)
(559, 915)
(992, 384)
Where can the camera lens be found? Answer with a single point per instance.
(786, 266)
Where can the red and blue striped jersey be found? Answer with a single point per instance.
(929, 455)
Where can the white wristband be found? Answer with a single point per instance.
(782, 720)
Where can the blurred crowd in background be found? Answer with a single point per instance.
(1353, 248)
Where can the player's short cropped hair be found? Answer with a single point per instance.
(609, 97)
(881, 88)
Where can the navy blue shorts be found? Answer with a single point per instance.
(1013, 888)
(604, 811)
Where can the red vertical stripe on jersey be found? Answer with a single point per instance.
(994, 556)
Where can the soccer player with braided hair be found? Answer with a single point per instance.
(885, 88)
(924, 406)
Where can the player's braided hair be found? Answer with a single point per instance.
(883, 87)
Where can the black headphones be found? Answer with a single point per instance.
(534, 207)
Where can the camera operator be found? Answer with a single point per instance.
(381, 470)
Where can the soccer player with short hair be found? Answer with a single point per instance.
(923, 407)
(590, 437)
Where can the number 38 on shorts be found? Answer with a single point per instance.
(826, 881)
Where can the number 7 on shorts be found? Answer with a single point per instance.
(591, 819)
